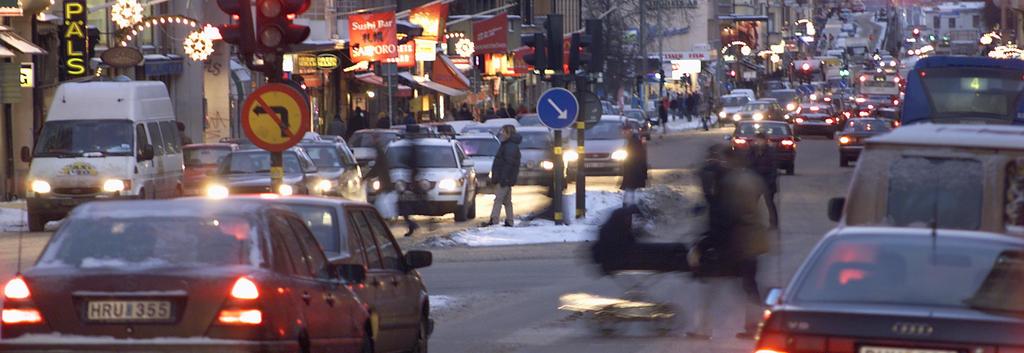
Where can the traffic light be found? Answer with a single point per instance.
(274, 28)
(555, 38)
(538, 58)
(844, 72)
(239, 31)
(595, 29)
(579, 51)
(916, 32)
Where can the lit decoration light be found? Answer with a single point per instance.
(745, 50)
(134, 30)
(465, 47)
(125, 13)
(198, 46)
(1008, 51)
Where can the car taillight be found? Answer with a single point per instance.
(788, 142)
(830, 121)
(16, 289)
(739, 141)
(799, 120)
(847, 114)
(844, 140)
(242, 309)
(20, 316)
(18, 307)
(240, 317)
(245, 288)
(782, 343)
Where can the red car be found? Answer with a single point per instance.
(200, 160)
(187, 275)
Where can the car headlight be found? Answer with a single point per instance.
(448, 185)
(375, 185)
(620, 155)
(40, 186)
(547, 165)
(113, 185)
(217, 191)
(570, 156)
(737, 117)
(285, 190)
(722, 114)
(790, 107)
(323, 186)
(758, 116)
(786, 116)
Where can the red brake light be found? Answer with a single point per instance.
(788, 142)
(830, 121)
(244, 288)
(799, 120)
(844, 140)
(291, 17)
(241, 317)
(923, 74)
(20, 316)
(739, 141)
(16, 289)
(895, 102)
(768, 351)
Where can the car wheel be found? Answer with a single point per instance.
(423, 339)
(36, 222)
(791, 169)
(462, 213)
(843, 162)
(472, 209)
(367, 345)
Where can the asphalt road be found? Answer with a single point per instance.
(511, 304)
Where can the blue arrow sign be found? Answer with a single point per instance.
(557, 108)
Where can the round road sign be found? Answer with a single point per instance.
(275, 117)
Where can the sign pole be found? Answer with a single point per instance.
(558, 109)
(558, 196)
(276, 171)
(581, 171)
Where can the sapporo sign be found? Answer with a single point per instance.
(373, 36)
(74, 54)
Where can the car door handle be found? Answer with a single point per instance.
(306, 297)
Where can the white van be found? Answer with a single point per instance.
(103, 140)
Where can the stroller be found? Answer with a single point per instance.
(635, 266)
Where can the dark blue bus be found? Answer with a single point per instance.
(961, 89)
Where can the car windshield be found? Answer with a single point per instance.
(865, 125)
(976, 93)
(634, 114)
(530, 120)
(131, 243)
(73, 138)
(535, 140)
(755, 107)
(480, 147)
(774, 130)
(927, 190)
(257, 162)
(734, 101)
(324, 156)
(604, 130)
(918, 271)
(205, 155)
(323, 222)
(372, 140)
(784, 96)
(426, 157)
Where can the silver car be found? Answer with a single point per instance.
(604, 148)
(337, 167)
(481, 149)
(536, 166)
(446, 182)
(366, 142)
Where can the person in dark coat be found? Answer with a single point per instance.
(464, 113)
(357, 121)
(693, 105)
(763, 161)
(505, 173)
(383, 121)
(663, 118)
(634, 169)
(410, 118)
(488, 115)
(336, 126)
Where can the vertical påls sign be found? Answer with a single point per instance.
(74, 56)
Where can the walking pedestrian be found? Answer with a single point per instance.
(505, 173)
(663, 118)
(681, 103)
(673, 107)
(488, 115)
(383, 122)
(185, 140)
(510, 111)
(464, 113)
(763, 161)
(337, 126)
(358, 121)
(729, 252)
(692, 105)
(634, 169)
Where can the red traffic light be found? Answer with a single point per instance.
(917, 31)
(805, 67)
(274, 28)
(239, 33)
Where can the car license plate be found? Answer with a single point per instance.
(875, 349)
(593, 165)
(128, 310)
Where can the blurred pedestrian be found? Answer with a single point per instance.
(505, 174)
(464, 113)
(634, 169)
(522, 110)
(692, 105)
(337, 126)
(383, 121)
(681, 104)
(663, 118)
(488, 115)
(730, 249)
(410, 118)
(763, 161)
(357, 121)
(673, 107)
(185, 139)
(510, 112)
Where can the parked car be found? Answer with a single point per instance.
(201, 160)
(354, 234)
(899, 290)
(248, 172)
(336, 164)
(779, 134)
(184, 275)
(852, 136)
(604, 150)
(537, 150)
(481, 149)
(446, 184)
(365, 143)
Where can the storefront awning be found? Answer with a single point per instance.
(373, 79)
(16, 42)
(431, 85)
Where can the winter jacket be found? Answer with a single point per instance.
(634, 170)
(740, 196)
(505, 170)
(762, 161)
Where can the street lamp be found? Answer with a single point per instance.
(745, 50)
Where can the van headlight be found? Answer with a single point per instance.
(790, 107)
(217, 191)
(758, 117)
(547, 165)
(40, 186)
(620, 155)
(737, 117)
(113, 185)
(570, 156)
(323, 186)
(285, 190)
(722, 114)
(375, 185)
(448, 185)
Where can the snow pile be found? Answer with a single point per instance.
(682, 125)
(599, 203)
(441, 302)
(660, 203)
(13, 220)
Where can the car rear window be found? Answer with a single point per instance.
(768, 129)
(918, 271)
(978, 93)
(923, 190)
(323, 222)
(205, 156)
(153, 241)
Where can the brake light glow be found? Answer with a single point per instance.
(844, 140)
(861, 100)
(16, 289)
(923, 74)
(864, 113)
(799, 120)
(788, 142)
(21, 316)
(739, 141)
(895, 102)
(244, 288)
(847, 114)
(241, 317)
(814, 109)
(768, 351)
(830, 121)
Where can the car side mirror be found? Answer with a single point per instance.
(351, 273)
(146, 154)
(419, 258)
(774, 297)
(835, 208)
(26, 154)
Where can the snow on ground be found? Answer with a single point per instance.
(13, 219)
(680, 124)
(599, 203)
(441, 302)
